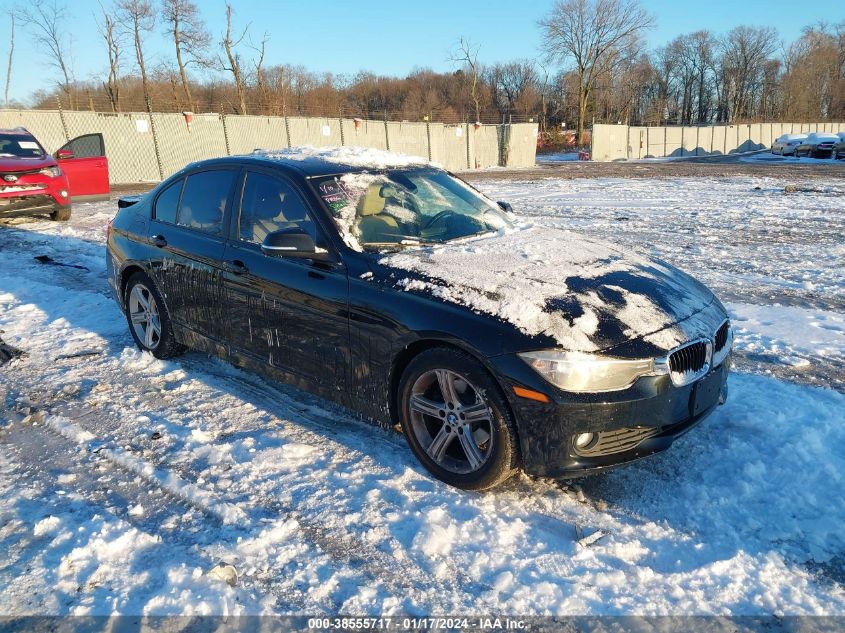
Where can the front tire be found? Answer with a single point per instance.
(456, 420)
(148, 318)
(61, 214)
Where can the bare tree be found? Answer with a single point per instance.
(814, 78)
(9, 67)
(109, 32)
(234, 60)
(190, 38)
(745, 51)
(591, 33)
(260, 78)
(466, 54)
(47, 20)
(137, 18)
(511, 82)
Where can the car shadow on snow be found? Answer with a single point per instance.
(762, 476)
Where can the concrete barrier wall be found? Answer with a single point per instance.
(610, 142)
(180, 144)
(689, 141)
(455, 139)
(247, 133)
(144, 147)
(486, 145)
(672, 146)
(522, 144)
(366, 134)
(622, 142)
(408, 138)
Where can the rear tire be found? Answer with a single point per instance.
(148, 318)
(62, 214)
(456, 420)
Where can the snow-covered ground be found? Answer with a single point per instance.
(557, 157)
(133, 478)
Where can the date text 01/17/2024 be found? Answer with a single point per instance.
(415, 624)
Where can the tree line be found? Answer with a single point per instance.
(593, 66)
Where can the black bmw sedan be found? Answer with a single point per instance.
(398, 290)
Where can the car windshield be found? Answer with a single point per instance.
(407, 207)
(20, 146)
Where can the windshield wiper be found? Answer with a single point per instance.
(405, 243)
(488, 231)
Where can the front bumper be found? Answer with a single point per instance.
(11, 206)
(634, 423)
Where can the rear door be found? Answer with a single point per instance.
(84, 161)
(288, 312)
(187, 229)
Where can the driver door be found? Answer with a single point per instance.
(287, 312)
(84, 161)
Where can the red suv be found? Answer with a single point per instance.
(33, 182)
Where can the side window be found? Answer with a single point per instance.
(167, 203)
(271, 204)
(86, 146)
(204, 200)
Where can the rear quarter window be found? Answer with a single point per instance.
(167, 203)
(204, 200)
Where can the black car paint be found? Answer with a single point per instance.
(342, 330)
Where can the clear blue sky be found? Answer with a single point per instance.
(393, 36)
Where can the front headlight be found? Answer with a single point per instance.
(52, 172)
(591, 373)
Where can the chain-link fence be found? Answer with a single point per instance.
(147, 147)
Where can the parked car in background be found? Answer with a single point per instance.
(785, 144)
(817, 145)
(400, 291)
(34, 182)
(838, 150)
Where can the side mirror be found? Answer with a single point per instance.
(64, 154)
(505, 206)
(292, 242)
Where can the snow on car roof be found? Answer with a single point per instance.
(352, 156)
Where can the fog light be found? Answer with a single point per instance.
(63, 193)
(585, 440)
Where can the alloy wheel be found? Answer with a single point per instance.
(451, 421)
(144, 315)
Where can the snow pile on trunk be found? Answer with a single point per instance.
(353, 156)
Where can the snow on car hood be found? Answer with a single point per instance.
(586, 294)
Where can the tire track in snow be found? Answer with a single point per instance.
(58, 466)
(54, 444)
(347, 549)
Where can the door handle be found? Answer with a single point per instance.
(236, 267)
(159, 240)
